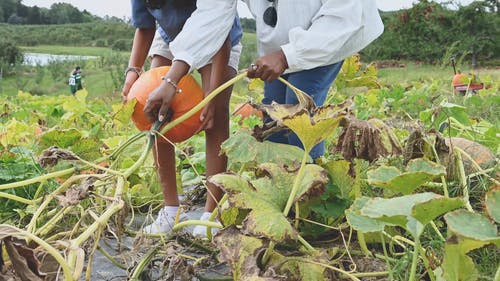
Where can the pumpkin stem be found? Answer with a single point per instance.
(204, 102)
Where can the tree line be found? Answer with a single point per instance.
(432, 32)
(15, 12)
(429, 31)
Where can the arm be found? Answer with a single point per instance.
(142, 42)
(201, 37)
(145, 25)
(204, 32)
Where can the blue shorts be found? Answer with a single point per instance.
(315, 82)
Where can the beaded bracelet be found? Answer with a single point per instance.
(137, 70)
(169, 81)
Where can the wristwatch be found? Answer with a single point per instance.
(137, 70)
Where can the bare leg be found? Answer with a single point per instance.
(165, 156)
(216, 135)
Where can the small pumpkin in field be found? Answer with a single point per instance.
(182, 102)
(459, 79)
(246, 110)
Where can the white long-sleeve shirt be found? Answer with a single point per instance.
(311, 33)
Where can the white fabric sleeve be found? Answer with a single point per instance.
(204, 32)
(337, 31)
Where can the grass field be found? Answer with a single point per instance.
(69, 50)
(97, 78)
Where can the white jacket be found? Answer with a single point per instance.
(311, 33)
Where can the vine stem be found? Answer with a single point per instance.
(38, 179)
(16, 198)
(203, 103)
(413, 269)
(463, 179)
(391, 277)
(208, 224)
(296, 185)
(443, 179)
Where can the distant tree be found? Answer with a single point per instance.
(10, 53)
(477, 26)
(2, 19)
(15, 19)
(248, 25)
(34, 16)
(8, 7)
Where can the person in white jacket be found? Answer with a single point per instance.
(304, 41)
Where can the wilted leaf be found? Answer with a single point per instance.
(242, 148)
(23, 261)
(493, 205)
(267, 196)
(311, 130)
(240, 252)
(52, 155)
(368, 140)
(419, 171)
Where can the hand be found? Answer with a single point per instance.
(129, 81)
(268, 67)
(158, 102)
(206, 118)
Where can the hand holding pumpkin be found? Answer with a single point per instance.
(130, 79)
(158, 102)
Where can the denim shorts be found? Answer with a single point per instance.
(316, 82)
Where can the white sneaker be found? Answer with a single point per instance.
(200, 231)
(164, 222)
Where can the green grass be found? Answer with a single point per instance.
(69, 50)
(417, 72)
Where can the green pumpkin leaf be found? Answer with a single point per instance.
(87, 148)
(362, 223)
(242, 148)
(60, 138)
(419, 171)
(426, 212)
(339, 175)
(267, 196)
(122, 113)
(296, 269)
(240, 252)
(398, 210)
(493, 205)
(457, 266)
(472, 225)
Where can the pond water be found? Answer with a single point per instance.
(44, 59)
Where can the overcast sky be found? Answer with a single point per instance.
(121, 8)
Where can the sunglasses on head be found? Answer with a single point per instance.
(270, 16)
(154, 4)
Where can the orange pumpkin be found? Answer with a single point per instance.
(459, 79)
(246, 110)
(190, 96)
